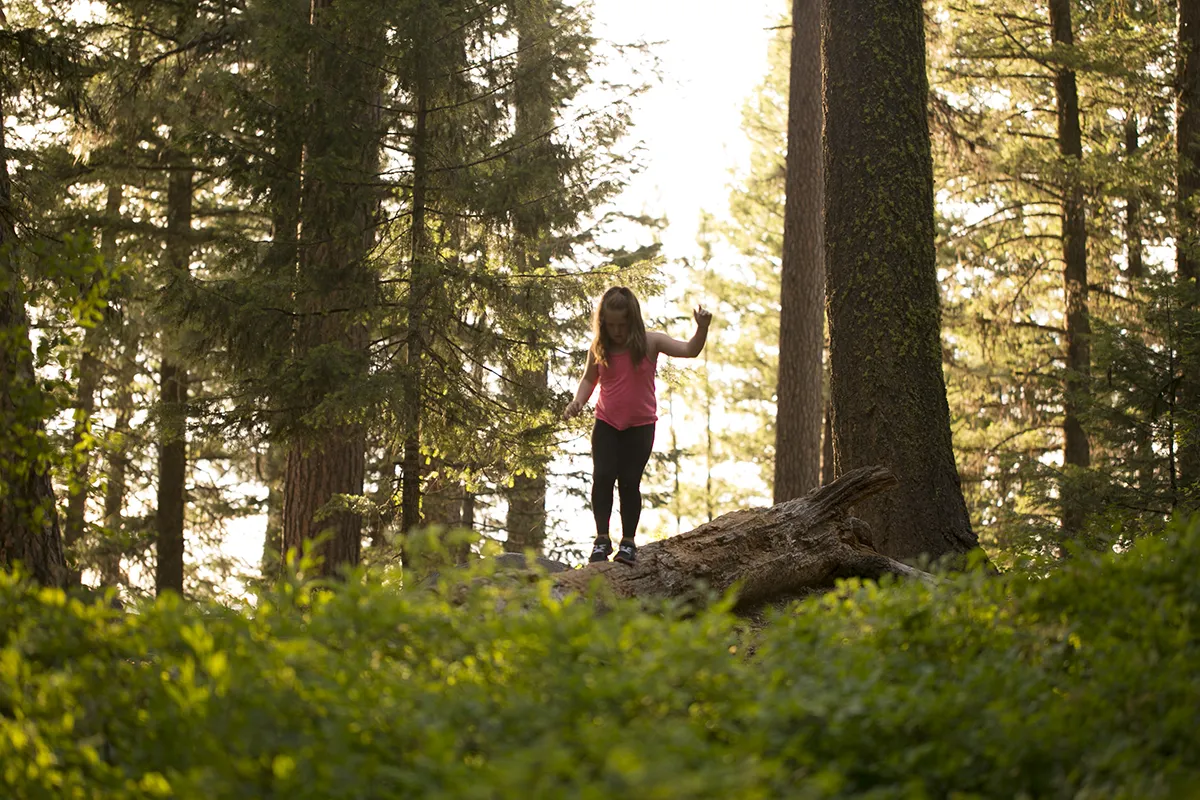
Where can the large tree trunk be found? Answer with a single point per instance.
(888, 393)
(326, 459)
(772, 554)
(802, 292)
(29, 531)
(172, 404)
(1187, 252)
(1076, 450)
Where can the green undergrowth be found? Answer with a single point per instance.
(1083, 683)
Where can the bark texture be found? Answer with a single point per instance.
(1188, 240)
(339, 199)
(775, 554)
(1076, 449)
(802, 292)
(172, 400)
(888, 393)
(315, 476)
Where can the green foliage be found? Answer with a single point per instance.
(1077, 684)
(1001, 180)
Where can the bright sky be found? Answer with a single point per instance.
(712, 53)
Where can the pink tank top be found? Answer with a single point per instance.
(627, 393)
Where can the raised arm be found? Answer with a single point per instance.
(661, 343)
(587, 384)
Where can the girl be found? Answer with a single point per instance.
(623, 359)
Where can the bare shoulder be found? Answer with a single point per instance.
(654, 342)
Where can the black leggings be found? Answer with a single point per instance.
(619, 457)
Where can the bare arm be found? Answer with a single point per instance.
(661, 343)
(587, 384)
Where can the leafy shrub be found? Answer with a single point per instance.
(1079, 684)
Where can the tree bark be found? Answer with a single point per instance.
(1076, 450)
(326, 459)
(802, 292)
(29, 530)
(772, 554)
(173, 388)
(887, 388)
(1187, 251)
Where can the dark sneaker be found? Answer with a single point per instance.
(601, 551)
(627, 552)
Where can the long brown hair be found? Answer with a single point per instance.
(618, 298)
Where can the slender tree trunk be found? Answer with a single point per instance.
(802, 293)
(272, 475)
(173, 388)
(29, 531)
(888, 393)
(91, 373)
(410, 491)
(526, 522)
(109, 556)
(827, 461)
(1076, 450)
(1135, 269)
(1188, 238)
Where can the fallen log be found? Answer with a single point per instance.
(772, 554)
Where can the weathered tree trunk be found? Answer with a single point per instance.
(887, 388)
(1076, 450)
(29, 531)
(1187, 249)
(173, 388)
(802, 292)
(774, 554)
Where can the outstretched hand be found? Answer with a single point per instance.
(703, 317)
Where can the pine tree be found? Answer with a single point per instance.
(889, 398)
(1006, 190)
(1076, 450)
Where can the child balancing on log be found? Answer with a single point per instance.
(623, 359)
